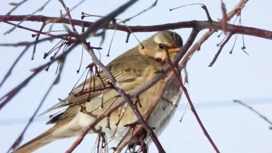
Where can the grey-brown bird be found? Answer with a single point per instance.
(132, 70)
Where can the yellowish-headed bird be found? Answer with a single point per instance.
(131, 70)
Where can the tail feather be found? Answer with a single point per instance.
(36, 143)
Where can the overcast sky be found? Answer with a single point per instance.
(233, 128)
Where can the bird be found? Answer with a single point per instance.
(95, 95)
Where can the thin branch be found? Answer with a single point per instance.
(197, 45)
(254, 111)
(197, 117)
(104, 22)
(224, 19)
(69, 15)
(100, 24)
(203, 6)
(220, 49)
(36, 40)
(149, 8)
(139, 129)
(12, 67)
(207, 12)
(20, 137)
(8, 96)
(120, 101)
(26, 17)
(63, 36)
(194, 31)
(187, 24)
(152, 28)
(16, 5)
(64, 15)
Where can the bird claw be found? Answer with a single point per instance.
(160, 71)
(133, 124)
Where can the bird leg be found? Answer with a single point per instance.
(137, 101)
(139, 141)
(101, 142)
(160, 71)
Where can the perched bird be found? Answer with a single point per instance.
(132, 69)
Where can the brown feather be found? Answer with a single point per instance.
(36, 143)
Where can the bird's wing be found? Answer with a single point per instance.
(94, 86)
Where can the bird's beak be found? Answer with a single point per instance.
(173, 50)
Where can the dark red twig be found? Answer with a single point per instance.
(173, 68)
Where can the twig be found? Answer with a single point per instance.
(12, 67)
(186, 24)
(64, 36)
(192, 24)
(36, 40)
(203, 6)
(8, 96)
(16, 5)
(224, 19)
(99, 24)
(26, 17)
(150, 7)
(194, 31)
(220, 49)
(197, 45)
(207, 12)
(140, 90)
(69, 16)
(254, 111)
(20, 137)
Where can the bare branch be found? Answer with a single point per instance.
(254, 111)
(36, 40)
(16, 5)
(197, 45)
(12, 67)
(74, 39)
(20, 137)
(220, 49)
(187, 24)
(26, 17)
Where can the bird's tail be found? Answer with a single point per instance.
(37, 142)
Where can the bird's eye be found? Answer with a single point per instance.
(161, 46)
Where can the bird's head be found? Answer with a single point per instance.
(156, 46)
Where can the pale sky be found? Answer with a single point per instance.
(233, 128)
